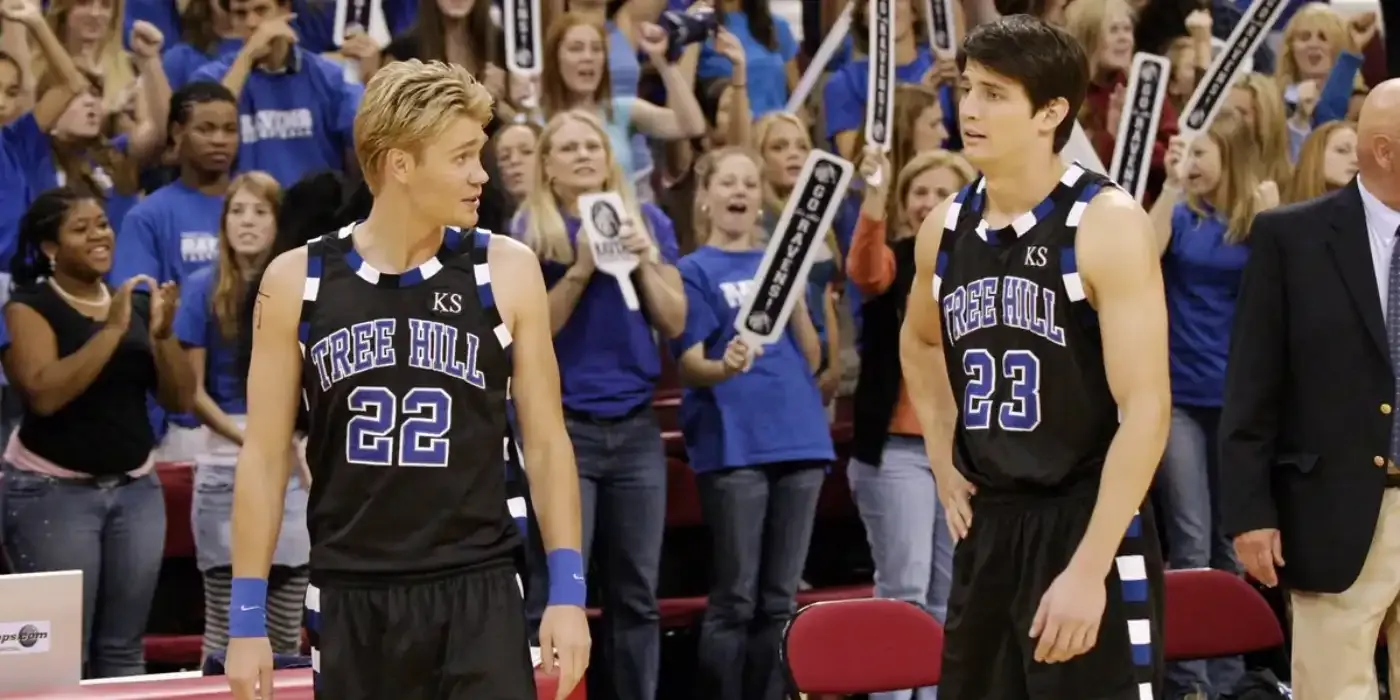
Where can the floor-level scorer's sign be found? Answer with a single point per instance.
(782, 276)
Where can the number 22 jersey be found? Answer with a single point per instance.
(1022, 343)
(405, 379)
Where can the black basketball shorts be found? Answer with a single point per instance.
(1016, 548)
(456, 638)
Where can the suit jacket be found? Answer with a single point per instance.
(1305, 429)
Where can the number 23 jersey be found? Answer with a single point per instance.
(1022, 343)
(405, 379)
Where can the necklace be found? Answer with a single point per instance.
(104, 298)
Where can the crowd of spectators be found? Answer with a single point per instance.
(154, 148)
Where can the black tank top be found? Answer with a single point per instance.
(1022, 343)
(406, 380)
(111, 411)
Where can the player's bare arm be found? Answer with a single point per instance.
(926, 374)
(548, 455)
(1117, 251)
(264, 467)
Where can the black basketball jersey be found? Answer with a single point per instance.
(1022, 343)
(405, 381)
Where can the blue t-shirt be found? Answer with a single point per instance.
(609, 361)
(296, 122)
(170, 235)
(1202, 274)
(31, 153)
(315, 22)
(848, 89)
(767, 68)
(21, 147)
(197, 327)
(182, 60)
(772, 413)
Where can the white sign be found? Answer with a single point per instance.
(942, 31)
(603, 215)
(28, 637)
(1211, 91)
(879, 105)
(1137, 127)
(364, 15)
(782, 276)
(524, 40)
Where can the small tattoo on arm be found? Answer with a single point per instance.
(258, 309)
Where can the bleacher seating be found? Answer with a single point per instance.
(1213, 613)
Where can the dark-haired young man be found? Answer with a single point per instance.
(174, 232)
(1045, 319)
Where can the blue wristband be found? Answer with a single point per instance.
(247, 608)
(566, 582)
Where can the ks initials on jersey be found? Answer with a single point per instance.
(433, 346)
(1011, 301)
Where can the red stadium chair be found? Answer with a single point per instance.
(177, 485)
(835, 593)
(174, 650)
(682, 495)
(862, 646)
(1213, 613)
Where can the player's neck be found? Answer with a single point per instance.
(1022, 184)
(395, 238)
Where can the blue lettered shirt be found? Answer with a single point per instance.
(773, 412)
(1202, 274)
(767, 68)
(170, 235)
(296, 122)
(849, 87)
(182, 60)
(197, 327)
(609, 361)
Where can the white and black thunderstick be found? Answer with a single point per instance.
(782, 276)
(1239, 49)
(942, 32)
(524, 41)
(879, 105)
(1137, 126)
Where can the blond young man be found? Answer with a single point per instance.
(402, 338)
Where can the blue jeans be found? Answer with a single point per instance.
(622, 482)
(1190, 518)
(114, 534)
(908, 535)
(760, 520)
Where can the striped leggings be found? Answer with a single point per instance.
(286, 593)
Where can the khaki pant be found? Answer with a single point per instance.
(1335, 634)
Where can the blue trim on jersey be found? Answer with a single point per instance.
(450, 240)
(941, 267)
(962, 193)
(1068, 263)
(314, 265)
(1090, 191)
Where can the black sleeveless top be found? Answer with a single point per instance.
(1022, 343)
(111, 412)
(406, 380)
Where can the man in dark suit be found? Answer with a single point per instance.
(1310, 430)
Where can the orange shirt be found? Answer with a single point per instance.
(870, 265)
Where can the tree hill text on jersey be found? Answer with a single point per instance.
(368, 345)
(1011, 301)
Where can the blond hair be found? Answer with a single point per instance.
(1319, 17)
(409, 103)
(1085, 19)
(924, 162)
(231, 284)
(773, 200)
(705, 170)
(539, 222)
(1270, 126)
(1233, 199)
(113, 63)
(1309, 180)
